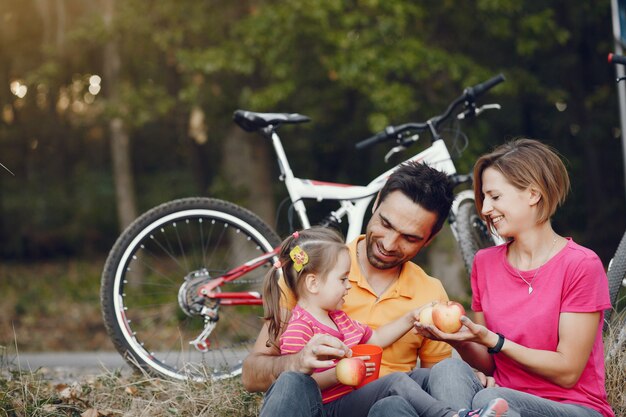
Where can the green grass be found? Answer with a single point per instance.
(52, 306)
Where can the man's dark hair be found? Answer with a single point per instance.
(424, 185)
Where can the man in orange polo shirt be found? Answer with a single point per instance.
(409, 211)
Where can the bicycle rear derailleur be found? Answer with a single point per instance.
(194, 305)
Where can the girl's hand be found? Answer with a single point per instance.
(319, 352)
(370, 367)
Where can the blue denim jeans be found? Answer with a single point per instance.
(453, 381)
(397, 394)
(359, 402)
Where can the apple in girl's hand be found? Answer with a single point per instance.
(447, 316)
(426, 315)
(350, 371)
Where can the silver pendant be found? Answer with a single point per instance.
(530, 290)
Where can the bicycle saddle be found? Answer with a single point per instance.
(251, 121)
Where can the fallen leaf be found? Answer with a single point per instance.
(131, 390)
(90, 412)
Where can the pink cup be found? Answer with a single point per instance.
(375, 353)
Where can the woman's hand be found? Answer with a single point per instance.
(469, 332)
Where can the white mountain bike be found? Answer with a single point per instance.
(181, 287)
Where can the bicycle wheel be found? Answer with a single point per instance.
(617, 276)
(150, 281)
(472, 232)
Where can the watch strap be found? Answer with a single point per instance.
(498, 345)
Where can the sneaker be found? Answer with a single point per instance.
(496, 408)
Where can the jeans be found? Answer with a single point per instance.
(453, 381)
(293, 394)
(397, 394)
(358, 402)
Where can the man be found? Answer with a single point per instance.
(409, 211)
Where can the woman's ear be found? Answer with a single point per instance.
(312, 283)
(534, 196)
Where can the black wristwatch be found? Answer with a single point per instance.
(498, 345)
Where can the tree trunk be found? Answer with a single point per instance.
(247, 168)
(120, 140)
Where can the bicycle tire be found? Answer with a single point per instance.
(472, 232)
(616, 275)
(148, 266)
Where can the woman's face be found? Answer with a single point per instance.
(509, 209)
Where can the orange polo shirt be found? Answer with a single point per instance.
(413, 289)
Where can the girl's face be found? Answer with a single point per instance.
(509, 209)
(335, 287)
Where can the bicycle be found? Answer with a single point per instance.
(616, 272)
(181, 287)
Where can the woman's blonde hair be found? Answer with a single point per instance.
(526, 163)
(322, 246)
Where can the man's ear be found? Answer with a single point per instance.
(430, 238)
(375, 205)
(312, 283)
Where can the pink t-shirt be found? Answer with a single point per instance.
(572, 281)
(301, 328)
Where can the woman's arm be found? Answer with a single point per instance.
(577, 332)
(470, 342)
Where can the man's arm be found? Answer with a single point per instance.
(264, 364)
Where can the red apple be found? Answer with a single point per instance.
(350, 371)
(447, 316)
(426, 315)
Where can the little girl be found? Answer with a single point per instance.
(315, 264)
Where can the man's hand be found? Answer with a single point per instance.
(319, 352)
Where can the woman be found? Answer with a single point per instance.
(538, 300)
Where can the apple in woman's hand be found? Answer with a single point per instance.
(350, 371)
(447, 316)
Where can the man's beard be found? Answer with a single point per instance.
(377, 263)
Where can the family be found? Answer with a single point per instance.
(532, 348)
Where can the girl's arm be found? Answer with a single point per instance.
(326, 378)
(390, 332)
(577, 332)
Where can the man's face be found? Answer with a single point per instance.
(397, 231)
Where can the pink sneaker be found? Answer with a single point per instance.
(496, 408)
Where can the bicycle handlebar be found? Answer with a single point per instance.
(468, 97)
(617, 59)
(482, 88)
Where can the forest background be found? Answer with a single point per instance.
(110, 107)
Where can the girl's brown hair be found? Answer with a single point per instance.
(526, 163)
(322, 246)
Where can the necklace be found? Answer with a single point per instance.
(530, 284)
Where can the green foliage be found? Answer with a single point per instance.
(354, 66)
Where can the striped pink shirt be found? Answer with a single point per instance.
(301, 328)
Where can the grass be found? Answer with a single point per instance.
(52, 306)
(111, 394)
(45, 303)
(615, 363)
